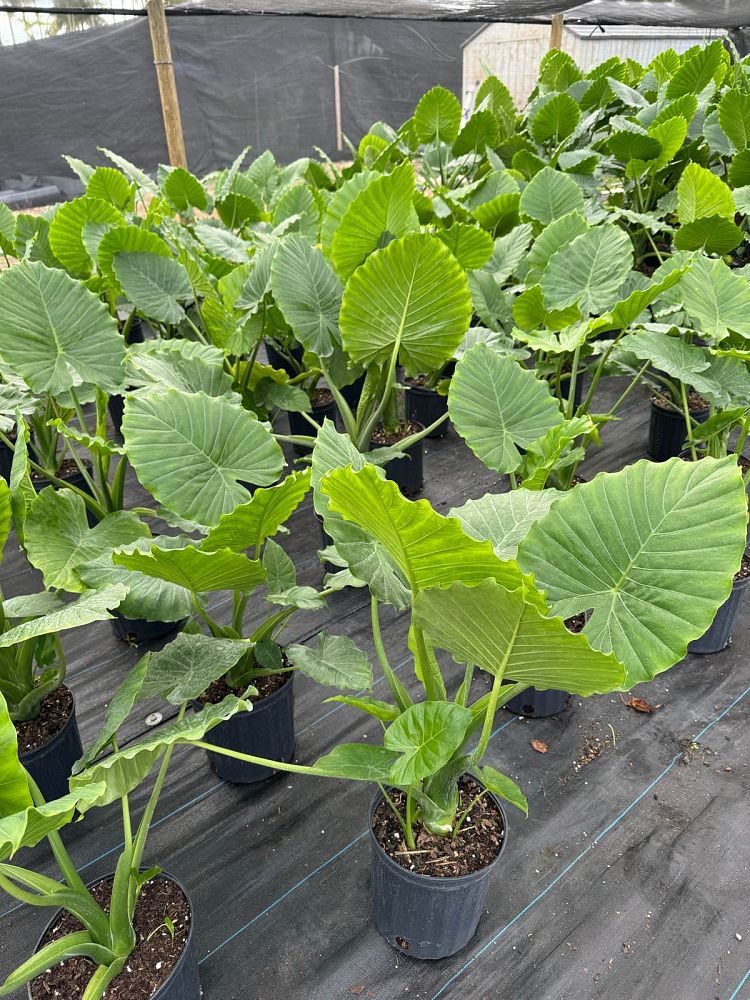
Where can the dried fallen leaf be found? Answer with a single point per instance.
(539, 745)
(356, 990)
(640, 704)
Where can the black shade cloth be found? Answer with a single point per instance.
(253, 81)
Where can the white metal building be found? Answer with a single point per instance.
(513, 52)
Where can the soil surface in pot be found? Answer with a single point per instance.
(266, 686)
(695, 402)
(419, 382)
(155, 954)
(477, 845)
(321, 397)
(744, 571)
(380, 436)
(68, 470)
(54, 712)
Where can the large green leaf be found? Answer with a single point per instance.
(382, 211)
(557, 235)
(59, 539)
(549, 195)
(6, 515)
(480, 131)
(179, 364)
(55, 332)
(626, 311)
(497, 406)
(336, 661)
(589, 270)
(119, 773)
(184, 191)
(697, 71)
(504, 518)
(194, 569)
(193, 451)
(148, 598)
(357, 762)
(427, 548)
(157, 286)
(555, 119)
(249, 524)
(497, 630)
(716, 299)
(655, 582)
(413, 295)
(714, 234)
(93, 606)
(14, 787)
(701, 193)
(185, 667)
(308, 293)
(338, 205)
(437, 117)
(425, 737)
(472, 247)
(734, 117)
(672, 355)
(353, 543)
(119, 707)
(66, 231)
(110, 185)
(128, 239)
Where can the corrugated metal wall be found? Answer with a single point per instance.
(513, 52)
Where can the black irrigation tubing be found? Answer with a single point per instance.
(739, 986)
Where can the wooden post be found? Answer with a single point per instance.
(170, 106)
(556, 31)
(337, 106)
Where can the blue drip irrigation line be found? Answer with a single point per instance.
(740, 984)
(298, 885)
(600, 836)
(207, 793)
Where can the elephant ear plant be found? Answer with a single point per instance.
(60, 340)
(233, 656)
(487, 613)
(91, 938)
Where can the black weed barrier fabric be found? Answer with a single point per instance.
(260, 81)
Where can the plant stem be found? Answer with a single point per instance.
(410, 821)
(688, 420)
(397, 689)
(465, 813)
(408, 834)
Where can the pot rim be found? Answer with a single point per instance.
(257, 706)
(417, 444)
(31, 755)
(448, 880)
(188, 940)
(675, 414)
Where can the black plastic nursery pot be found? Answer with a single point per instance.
(183, 982)
(298, 425)
(538, 704)
(136, 631)
(327, 540)
(425, 406)
(666, 432)
(266, 731)
(6, 460)
(50, 765)
(719, 633)
(427, 917)
(407, 472)
(353, 392)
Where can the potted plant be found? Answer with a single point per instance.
(131, 932)
(60, 340)
(220, 562)
(487, 612)
(407, 304)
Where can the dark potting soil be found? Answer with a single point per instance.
(54, 712)
(68, 470)
(155, 954)
(477, 845)
(321, 397)
(266, 686)
(380, 436)
(744, 571)
(695, 402)
(576, 623)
